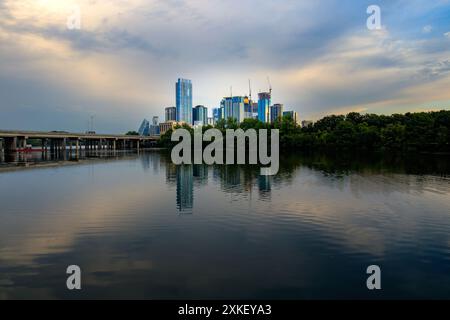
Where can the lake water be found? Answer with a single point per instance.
(140, 227)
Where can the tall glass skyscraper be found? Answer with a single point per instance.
(264, 106)
(184, 100)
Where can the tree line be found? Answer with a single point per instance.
(421, 132)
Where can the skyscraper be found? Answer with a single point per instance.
(217, 114)
(171, 114)
(264, 106)
(144, 129)
(234, 107)
(200, 115)
(184, 100)
(154, 128)
(276, 112)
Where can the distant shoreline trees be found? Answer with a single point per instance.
(409, 132)
(132, 133)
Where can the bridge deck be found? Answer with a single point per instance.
(68, 135)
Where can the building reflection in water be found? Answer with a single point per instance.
(151, 159)
(185, 188)
(171, 174)
(200, 173)
(264, 186)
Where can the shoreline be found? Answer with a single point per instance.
(43, 164)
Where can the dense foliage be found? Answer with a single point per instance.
(132, 133)
(422, 132)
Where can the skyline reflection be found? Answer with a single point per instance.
(141, 227)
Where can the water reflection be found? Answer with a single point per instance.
(185, 188)
(141, 227)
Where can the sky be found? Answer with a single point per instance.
(121, 65)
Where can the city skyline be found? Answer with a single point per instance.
(120, 65)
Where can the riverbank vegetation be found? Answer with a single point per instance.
(420, 132)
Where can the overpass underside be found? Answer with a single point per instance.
(10, 144)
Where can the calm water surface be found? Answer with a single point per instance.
(141, 227)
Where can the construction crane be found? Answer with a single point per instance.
(270, 86)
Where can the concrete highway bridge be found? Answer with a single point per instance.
(54, 141)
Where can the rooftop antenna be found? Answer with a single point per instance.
(249, 89)
(231, 91)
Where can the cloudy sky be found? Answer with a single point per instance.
(122, 64)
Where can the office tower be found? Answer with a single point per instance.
(233, 107)
(293, 115)
(264, 101)
(200, 115)
(144, 129)
(254, 110)
(154, 128)
(184, 101)
(216, 115)
(171, 114)
(276, 112)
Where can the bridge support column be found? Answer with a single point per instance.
(44, 145)
(22, 141)
(55, 146)
(11, 144)
(114, 145)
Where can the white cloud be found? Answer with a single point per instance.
(427, 29)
